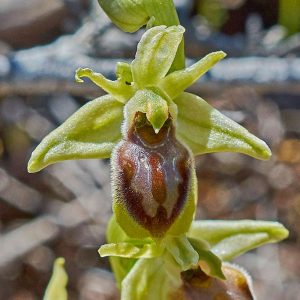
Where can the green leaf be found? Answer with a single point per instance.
(182, 252)
(204, 129)
(56, 289)
(118, 88)
(91, 132)
(155, 54)
(146, 101)
(175, 83)
(129, 250)
(150, 279)
(233, 238)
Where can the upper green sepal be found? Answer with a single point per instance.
(204, 130)
(56, 289)
(155, 54)
(229, 239)
(91, 132)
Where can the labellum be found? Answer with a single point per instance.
(152, 175)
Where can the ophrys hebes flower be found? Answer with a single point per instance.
(148, 100)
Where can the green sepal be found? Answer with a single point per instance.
(91, 132)
(176, 82)
(229, 239)
(152, 278)
(129, 250)
(120, 266)
(155, 54)
(150, 103)
(118, 88)
(209, 262)
(204, 129)
(56, 289)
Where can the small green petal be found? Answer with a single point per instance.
(175, 83)
(91, 132)
(129, 250)
(155, 54)
(123, 72)
(233, 238)
(118, 89)
(150, 279)
(182, 252)
(146, 101)
(56, 289)
(210, 263)
(204, 130)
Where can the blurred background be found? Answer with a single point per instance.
(63, 210)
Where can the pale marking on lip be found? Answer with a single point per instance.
(172, 189)
(142, 182)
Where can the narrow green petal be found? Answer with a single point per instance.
(118, 89)
(155, 54)
(91, 132)
(128, 15)
(150, 279)
(210, 263)
(182, 252)
(56, 289)
(123, 72)
(146, 101)
(175, 83)
(204, 129)
(129, 250)
(232, 238)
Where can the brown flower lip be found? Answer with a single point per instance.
(152, 174)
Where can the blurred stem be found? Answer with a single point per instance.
(164, 12)
(289, 15)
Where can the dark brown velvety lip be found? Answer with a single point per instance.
(153, 175)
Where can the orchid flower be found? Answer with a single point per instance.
(152, 129)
